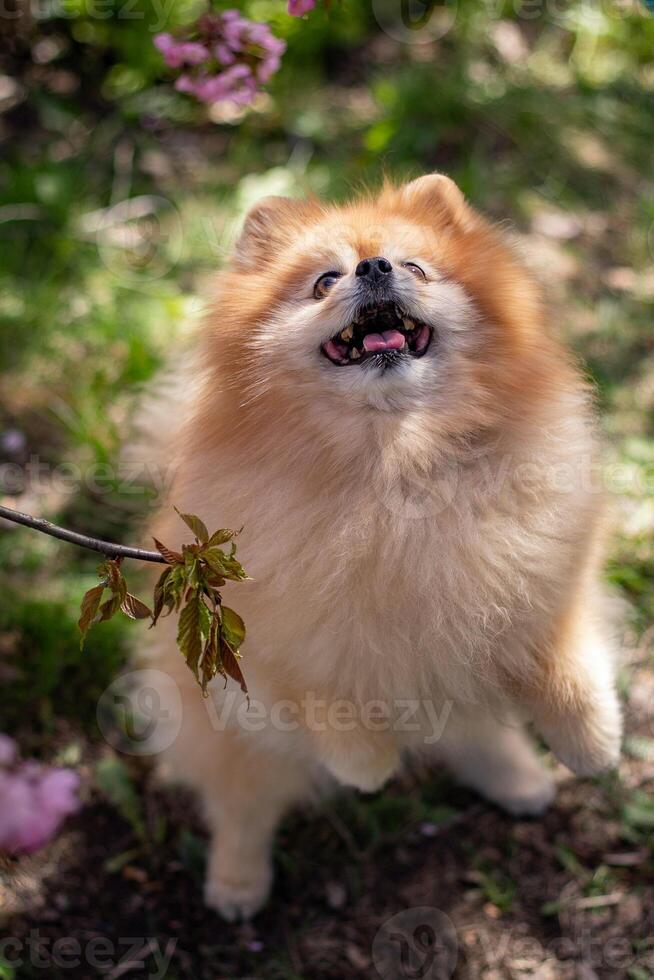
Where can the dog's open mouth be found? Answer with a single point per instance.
(383, 332)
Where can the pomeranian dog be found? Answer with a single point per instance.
(410, 454)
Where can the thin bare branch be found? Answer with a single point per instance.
(106, 548)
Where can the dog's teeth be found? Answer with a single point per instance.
(354, 354)
(408, 324)
(347, 333)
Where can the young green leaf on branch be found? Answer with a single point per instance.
(209, 634)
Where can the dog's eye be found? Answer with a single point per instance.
(324, 283)
(415, 269)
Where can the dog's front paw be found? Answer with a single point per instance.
(239, 895)
(590, 743)
(527, 795)
(588, 757)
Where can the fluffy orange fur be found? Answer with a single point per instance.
(423, 536)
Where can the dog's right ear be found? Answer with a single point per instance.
(270, 224)
(438, 196)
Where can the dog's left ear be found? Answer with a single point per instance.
(269, 225)
(436, 194)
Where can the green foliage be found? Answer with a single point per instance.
(94, 610)
(49, 678)
(496, 887)
(114, 781)
(638, 813)
(7, 971)
(209, 634)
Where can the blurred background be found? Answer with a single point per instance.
(119, 197)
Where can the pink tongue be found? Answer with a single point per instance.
(388, 340)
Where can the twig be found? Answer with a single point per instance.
(599, 901)
(106, 548)
(210, 636)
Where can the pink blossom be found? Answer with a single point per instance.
(224, 54)
(178, 53)
(268, 68)
(58, 791)
(238, 57)
(35, 800)
(8, 750)
(298, 8)
(185, 84)
(233, 28)
(235, 84)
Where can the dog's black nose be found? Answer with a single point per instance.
(374, 269)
